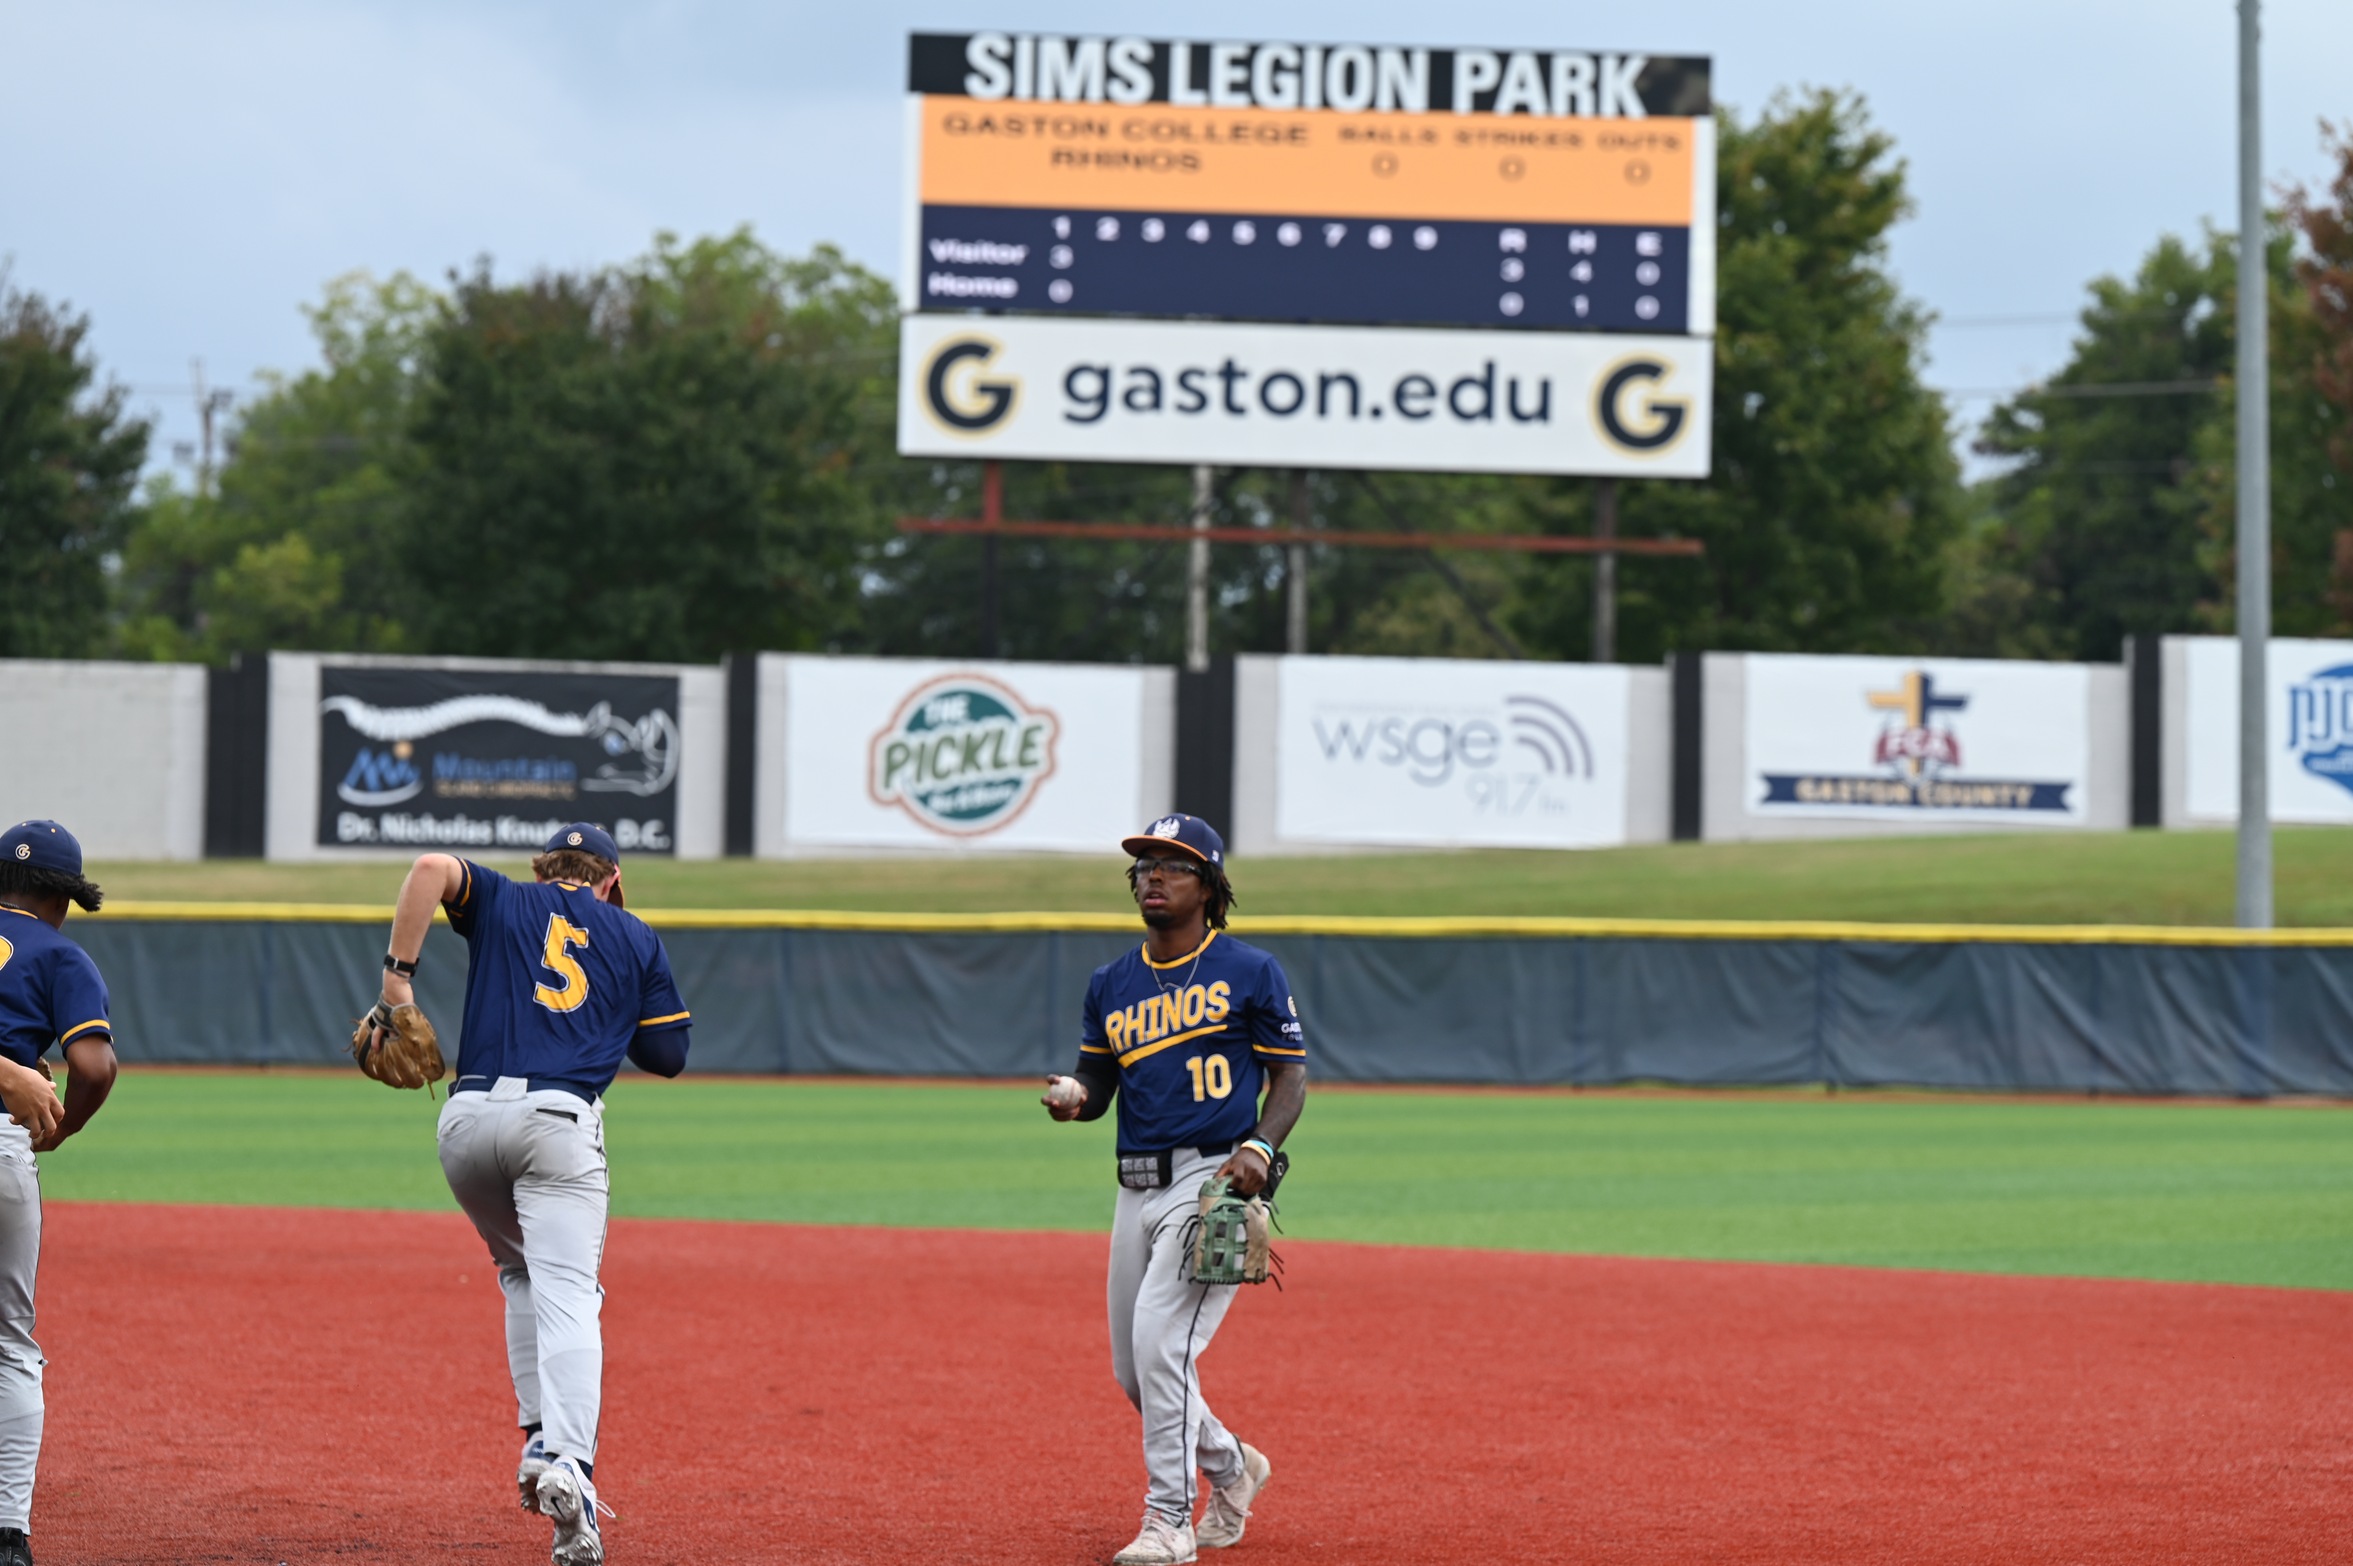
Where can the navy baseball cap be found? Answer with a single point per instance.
(1190, 833)
(44, 845)
(586, 836)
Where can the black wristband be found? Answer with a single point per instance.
(407, 970)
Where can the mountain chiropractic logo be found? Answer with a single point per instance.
(1920, 758)
(2320, 724)
(963, 755)
(382, 777)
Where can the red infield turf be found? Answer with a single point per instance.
(256, 1385)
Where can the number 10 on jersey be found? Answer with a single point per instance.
(1213, 1077)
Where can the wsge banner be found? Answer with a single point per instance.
(1304, 396)
(494, 762)
(905, 753)
(1894, 738)
(1439, 753)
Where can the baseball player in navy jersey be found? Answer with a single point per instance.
(50, 993)
(1185, 1033)
(563, 983)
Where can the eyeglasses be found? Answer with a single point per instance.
(1143, 868)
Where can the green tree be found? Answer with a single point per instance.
(69, 460)
(1833, 495)
(303, 543)
(2094, 533)
(666, 460)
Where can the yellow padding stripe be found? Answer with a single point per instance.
(1318, 924)
(1144, 1051)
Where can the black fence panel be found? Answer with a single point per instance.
(2212, 1019)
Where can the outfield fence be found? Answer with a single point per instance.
(1492, 1001)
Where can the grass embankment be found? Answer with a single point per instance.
(2049, 878)
(2218, 1193)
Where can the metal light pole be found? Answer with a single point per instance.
(2254, 461)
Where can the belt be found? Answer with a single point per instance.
(1205, 1149)
(478, 1084)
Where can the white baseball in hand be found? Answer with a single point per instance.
(1065, 1093)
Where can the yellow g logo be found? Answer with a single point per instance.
(1632, 414)
(957, 393)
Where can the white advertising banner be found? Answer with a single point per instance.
(1437, 753)
(1902, 738)
(908, 753)
(1255, 395)
(2311, 721)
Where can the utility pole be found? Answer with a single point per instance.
(1295, 564)
(2254, 462)
(1605, 572)
(210, 404)
(1197, 571)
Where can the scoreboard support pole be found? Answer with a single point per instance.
(1197, 571)
(1295, 563)
(1605, 571)
(992, 515)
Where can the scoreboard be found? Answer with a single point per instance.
(1300, 182)
(1308, 254)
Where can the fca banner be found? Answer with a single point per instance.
(1558, 189)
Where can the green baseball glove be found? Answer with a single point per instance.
(1232, 1241)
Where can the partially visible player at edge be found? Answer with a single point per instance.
(50, 993)
(563, 983)
(1184, 1032)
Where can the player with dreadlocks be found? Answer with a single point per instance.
(50, 994)
(1185, 1032)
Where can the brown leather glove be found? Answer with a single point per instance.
(397, 1046)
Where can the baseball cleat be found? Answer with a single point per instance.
(1164, 1542)
(527, 1472)
(15, 1548)
(566, 1496)
(1228, 1511)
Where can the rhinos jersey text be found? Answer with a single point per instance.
(1192, 1039)
(561, 984)
(50, 992)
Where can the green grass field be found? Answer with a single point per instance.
(2048, 878)
(2215, 1193)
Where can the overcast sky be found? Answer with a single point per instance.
(191, 175)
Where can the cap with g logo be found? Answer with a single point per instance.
(586, 836)
(1189, 833)
(41, 845)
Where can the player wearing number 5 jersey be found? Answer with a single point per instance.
(1185, 1033)
(563, 983)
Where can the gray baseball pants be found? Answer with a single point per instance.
(529, 1169)
(1161, 1324)
(21, 1406)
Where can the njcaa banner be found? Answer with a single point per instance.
(1442, 753)
(1911, 739)
(1304, 396)
(2311, 723)
(494, 762)
(905, 753)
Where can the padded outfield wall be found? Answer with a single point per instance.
(1494, 1001)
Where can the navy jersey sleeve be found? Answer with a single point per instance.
(476, 892)
(77, 998)
(658, 1003)
(1275, 1033)
(1093, 1043)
